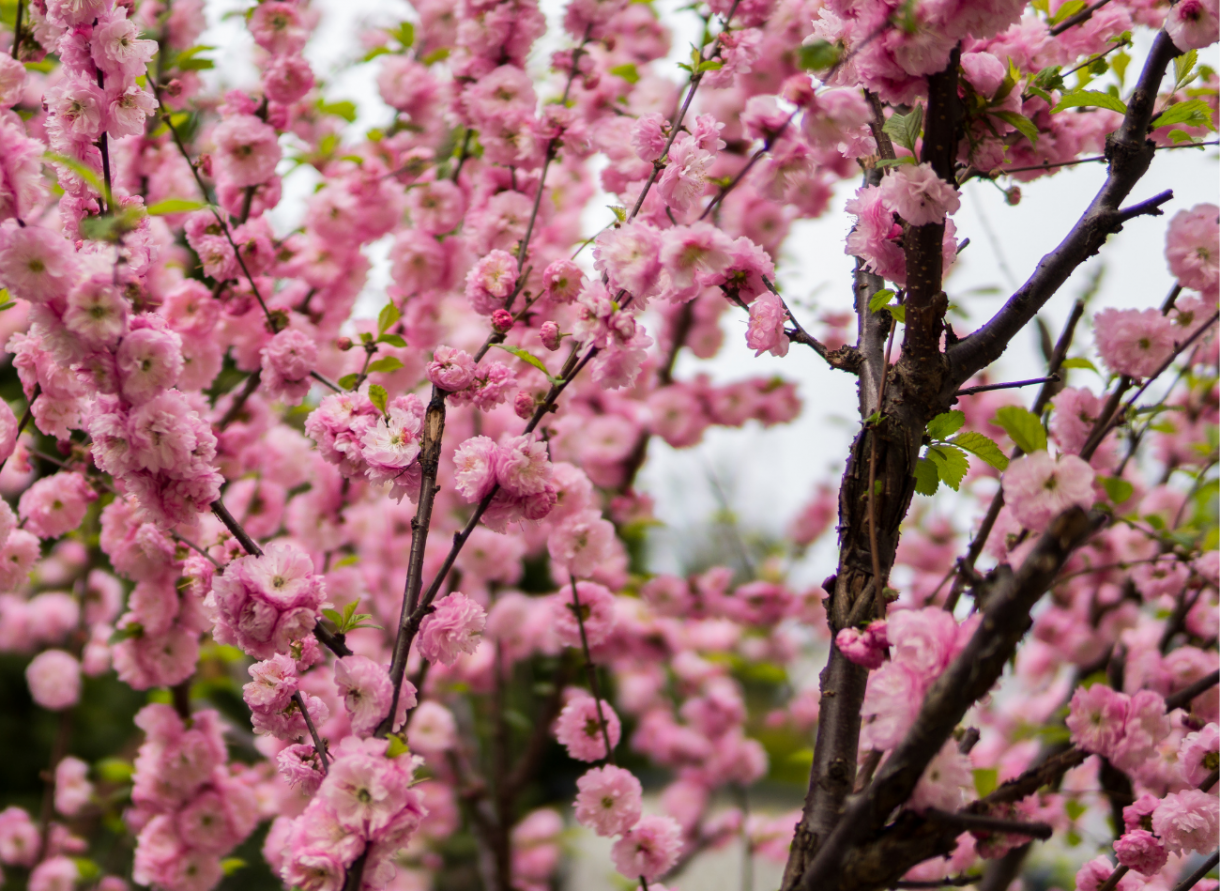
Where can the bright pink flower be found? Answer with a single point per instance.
(19, 838)
(149, 361)
(649, 850)
(35, 264)
(1142, 851)
(918, 195)
(490, 281)
(54, 679)
(608, 800)
(391, 445)
(648, 135)
(288, 79)
(451, 369)
(118, 49)
(367, 692)
(1134, 342)
(631, 257)
(868, 648)
(1097, 871)
(596, 614)
(562, 281)
(277, 27)
(765, 333)
(694, 255)
(1096, 718)
(686, 172)
(582, 542)
(454, 629)
(56, 504)
(1038, 488)
(287, 360)
(579, 728)
(1199, 754)
(475, 465)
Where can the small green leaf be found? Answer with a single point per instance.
(1075, 809)
(899, 312)
(627, 72)
(620, 213)
(1067, 10)
(374, 53)
(1183, 68)
(392, 339)
(1023, 426)
(898, 162)
(1191, 113)
(904, 129)
(945, 425)
(818, 56)
(379, 398)
(365, 337)
(1090, 99)
(231, 865)
(985, 780)
(79, 169)
(397, 746)
(114, 770)
(526, 356)
(982, 447)
(1024, 125)
(880, 299)
(384, 364)
(334, 615)
(710, 65)
(196, 65)
(437, 55)
(951, 464)
(341, 109)
(348, 381)
(1079, 362)
(404, 34)
(388, 316)
(927, 480)
(1177, 137)
(1118, 489)
(174, 205)
(86, 870)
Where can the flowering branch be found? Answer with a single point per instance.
(591, 670)
(318, 744)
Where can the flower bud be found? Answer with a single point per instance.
(344, 343)
(550, 335)
(502, 321)
(524, 405)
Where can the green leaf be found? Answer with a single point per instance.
(348, 381)
(349, 560)
(526, 356)
(927, 479)
(196, 65)
(386, 363)
(1191, 113)
(397, 746)
(1023, 426)
(710, 65)
(437, 55)
(114, 770)
(379, 397)
(945, 425)
(1183, 68)
(1179, 136)
(86, 869)
(79, 169)
(174, 205)
(982, 447)
(1067, 10)
(627, 72)
(898, 162)
(1079, 362)
(880, 299)
(951, 464)
(388, 316)
(899, 312)
(374, 53)
(1075, 809)
(985, 780)
(341, 109)
(1118, 489)
(404, 34)
(392, 340)
(1024, 125)
(231, 865)
(334, 615)
(904, 129)
(1090, 99)
(818, 56)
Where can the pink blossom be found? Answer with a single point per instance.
(1193, 24)
(58, 873)
(451, 369)
(1097, 871)
(1134, 342)
(118, 49)
(288, 79)
(247, 148)
(868, 648)
(1038, 488)
(945, 781)
(56, 504)
(19, 838)
(455, 628)
(581, 542)
(366, 690)
(1192, 244)
(433, 729)
(579, 728)
(648, 136)
(649, 850)
(1141, 851)
(149, 361)
(631, 257)
(562, 281)
(391, 445)
(54, 679)
(490, 281)
(686, 172)
(1187, 821)
(35, 264)
(608, 800)
(1096, 718)
(1199, 754)
(475, 464)
(765, 333)
(73, 791)
(596, 614)
(918, 195)
(287, 360)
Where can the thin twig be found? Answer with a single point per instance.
(318, 744)
(1072, 21)
(984, 823)
(1199, 874)
(248, 544)
(591, 670)
(326, 382)
(239, 401)
(1011, 385)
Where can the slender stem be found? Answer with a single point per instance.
(333, 642)
(591, 670)
(103, 145)
(1072, 21)
(17, 28)
(239, 401)
(326, 382)
(318, 744)
(59, 749)
(1115, 877)
(194, 547)
(991, 824)
(1199, 874)
(248, 544)
(26, 416)
(1183, 697)
(1011, 385)
(768, 144)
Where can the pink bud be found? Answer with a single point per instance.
(524, 405)
(550, 335)
(1013, 196)
(502, 320)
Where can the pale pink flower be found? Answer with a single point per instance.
(1193, 24)
(12, 81)
(596, 613)
(1144, 728)
(1134, 342)
(562, 281)
(631, 256)
(19, 838)
(1187, 821)
(73, 791)
(288, 79)
(57, 873)
(1192, 244)
(454, 629)
(1096, 718)
(247, 149)
(451, 369)
(945, 781)
(1038, 488)
(694, 255)
(648, 135)
(765, 333)
(475, 466)
(490, 281)
(97, 312)
(117, 48)
(650, 849)
(608, 800)
(918, 195)
(366, 690)
(35, 264)
(56, 504)
(287, 360)
(686, 172)
(1097, 871)
(581, 542)
(278, 28)
(54, 679)
(1199, 754)
(149, 361)
(391, 445)
(579, 729)
(433, 729)
(522, 466)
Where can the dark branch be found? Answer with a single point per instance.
(1199, 874)
(966, 820)
(1012, 385)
